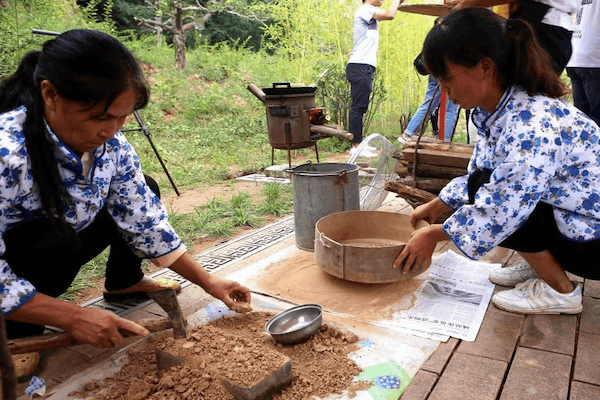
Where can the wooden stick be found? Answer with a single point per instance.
(327, 131)
(64, 339)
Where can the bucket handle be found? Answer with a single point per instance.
(322, 242)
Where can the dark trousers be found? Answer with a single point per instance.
(586, 91)
(540, 233)
(360, 77)
(51, 262)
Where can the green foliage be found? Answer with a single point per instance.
(315, 35)
(278, 200)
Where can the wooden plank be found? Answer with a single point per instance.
(432, 185)
(439, 146)
(433, 171)
(434, 157)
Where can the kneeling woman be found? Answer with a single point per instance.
(533, 182)
(71, 186)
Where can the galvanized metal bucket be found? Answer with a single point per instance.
(319, 190)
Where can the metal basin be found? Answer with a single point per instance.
(361, 246)
(295, 324)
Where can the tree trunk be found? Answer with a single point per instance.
(178, 37)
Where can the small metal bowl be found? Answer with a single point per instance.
(296, 324)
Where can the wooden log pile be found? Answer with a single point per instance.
(436, 163)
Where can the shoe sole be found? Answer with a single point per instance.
(504, 283)
(575, 310)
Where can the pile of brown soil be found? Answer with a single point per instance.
(237, 349)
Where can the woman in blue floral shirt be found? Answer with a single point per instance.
(533, 183)
(71, 185)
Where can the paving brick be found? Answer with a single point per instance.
(536, 374)
(584, 391)
(497, 336)
(591, 288)
(469, 377)
(554, 333)
(587, 364)
(420, 387)
(590, 317)
(438, 360)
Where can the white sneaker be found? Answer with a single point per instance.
(370, 148)
(405, 137)
(537, 297)
(516, 273)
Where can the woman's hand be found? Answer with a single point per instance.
(93, 326)
(416, 255)
(229, 292)
(100, 328)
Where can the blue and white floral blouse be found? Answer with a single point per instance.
(114, 180)
(539, 149)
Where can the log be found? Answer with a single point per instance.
(432, 185)
(435, 157)
(415, 197)
(409, 192)
(434, 171)
(327, 131)
(402, 171)
(440, 146)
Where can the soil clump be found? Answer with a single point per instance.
(235, 348)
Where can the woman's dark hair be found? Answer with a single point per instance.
(86, 66)
(467, 36)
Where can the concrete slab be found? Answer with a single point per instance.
(469, 377)
(555, 333)
(537, 374)
(439, 359)
(584, 391)
(497, 336)
(590, 317)
(592, 288)
(587, 363)
(420, 387)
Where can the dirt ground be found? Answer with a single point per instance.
(245, 354)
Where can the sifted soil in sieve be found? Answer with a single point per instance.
(235, 348)
(372, 242)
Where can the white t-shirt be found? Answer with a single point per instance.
(366, 36)
(586, 36)
(561, 12)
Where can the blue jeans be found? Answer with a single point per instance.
(421, 116)
(586, 91)
(360, 77)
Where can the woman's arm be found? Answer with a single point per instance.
(93, 326)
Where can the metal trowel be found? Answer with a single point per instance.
(165, 360)
(276, 381)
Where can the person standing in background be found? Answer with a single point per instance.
(551, 21)
(363, 61)
(584, 66)
(425, 110)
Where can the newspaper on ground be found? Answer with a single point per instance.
(451, 301)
